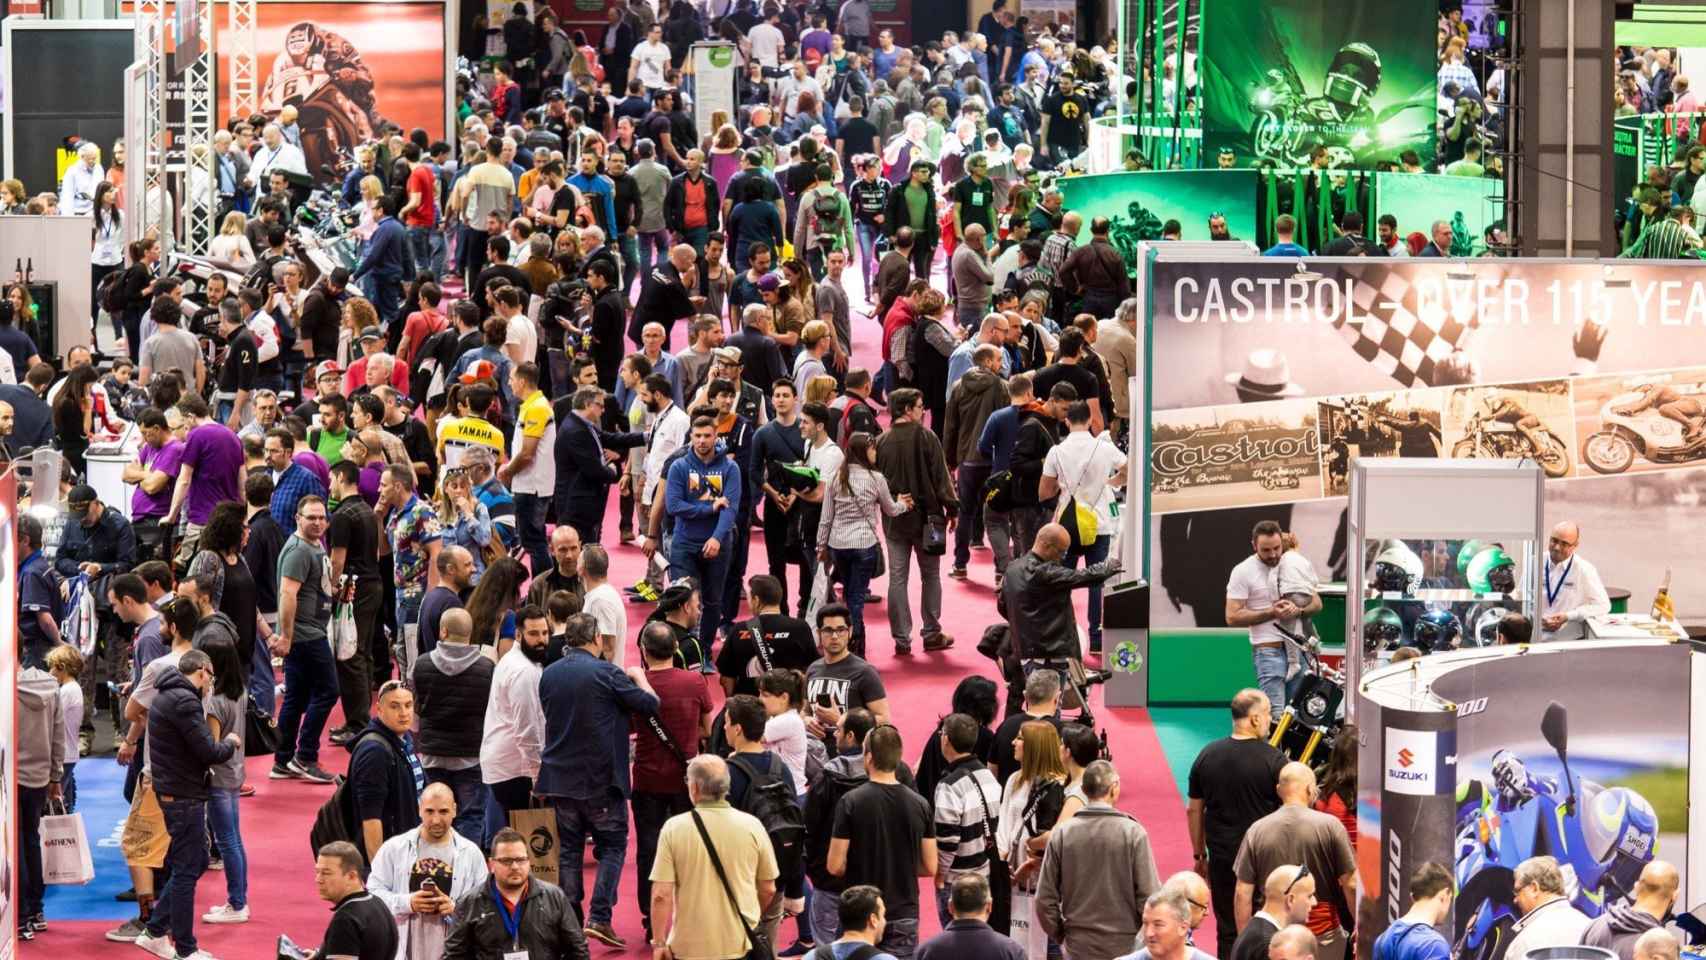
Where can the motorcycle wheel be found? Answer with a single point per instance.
(1608, 452)
(1464, 449)
(1554, 458)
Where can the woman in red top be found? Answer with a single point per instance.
(1338, 797)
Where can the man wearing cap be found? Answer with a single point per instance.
(372, 344)
(680, 609)
(751, 400)
(667, 295)
(328, 380)
(99, 543)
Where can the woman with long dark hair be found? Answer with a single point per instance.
(138, 288)
(847, 529)
(492, 605)
(221, 554)
(227, 712)
(73, 412)
(107, 254)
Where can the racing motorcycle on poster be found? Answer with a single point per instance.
(1654, 422)
(324, 78)
(1499, 439)
(1601, 836)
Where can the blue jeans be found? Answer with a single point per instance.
(310, 689)
(408, 625)
(738, 552)
(968, 482)
(867, 235)
(1093, 554)
(630, 247)
(686, 559)
(826, 916)
(530, 523)
(68, 787)
(606, 820)
(223, 820)
(261, 691)
(1271, 666)
(887, 379)
(420, 248)
(856, 567)
(470, 793)
(654, 248)
(186, 860)
(387, 299)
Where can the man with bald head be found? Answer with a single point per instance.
(1657, 944)
(1625, 925)
(1231, 786)
(1190, 885)
(1297, 833)
(689, 905)
(1295, 942)
(668, 294)
(1287, 897)
(453, 683)
(421, 873)
(1038, 589)
(1573, 590)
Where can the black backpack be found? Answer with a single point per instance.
(334, 820)
(770, 800)
(110, 293)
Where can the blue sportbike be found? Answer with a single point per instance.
(1601, 837)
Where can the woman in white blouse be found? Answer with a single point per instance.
(232, 244)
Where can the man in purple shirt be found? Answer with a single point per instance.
(155, 468)
(213, 460)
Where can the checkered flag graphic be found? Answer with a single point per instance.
(1396, 332)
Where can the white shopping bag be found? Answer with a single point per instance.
(1026, 931)
(65, 854)
(820, 593)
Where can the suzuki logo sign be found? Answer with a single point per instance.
(1405, 758)
(1413, 762)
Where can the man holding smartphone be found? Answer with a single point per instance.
(421, 874)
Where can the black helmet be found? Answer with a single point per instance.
(1354, 75)
(1437, 630)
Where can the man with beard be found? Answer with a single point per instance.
(543, 919)
(1253, 601)
(421, 874)
(514, 729)
(455, 580)
(564, 573)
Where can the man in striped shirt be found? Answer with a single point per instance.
(1669, 236)
(967, 800)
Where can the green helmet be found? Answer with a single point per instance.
(1492, 571)
(1382, 629)
(1467, 553)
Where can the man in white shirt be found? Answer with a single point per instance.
(515, 722)
(1253, 600)
(650, 60)
(1572, 590)
(1086, 467)
(421, 873)
(766, 37)
(276, 153)
(603, 603)
(670, 425)
(77, 190)
(521, 337)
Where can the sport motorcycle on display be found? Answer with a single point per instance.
(1601, 836)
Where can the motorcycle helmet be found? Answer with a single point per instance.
(1354, 75)
(1486, 629)
(1382, 629)
(1621, 832)
(1492, 571)
(1510, 777)
(1396, 569)
(1437, 630)
(1467, 553)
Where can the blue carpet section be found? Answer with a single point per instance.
(100, 799)
(1183, 732)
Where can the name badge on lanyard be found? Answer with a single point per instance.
(1552, 592)
(515, 955)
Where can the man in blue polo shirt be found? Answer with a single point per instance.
(1415, 935)
(38, 596)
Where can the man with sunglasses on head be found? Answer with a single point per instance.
(1287, 897)
(1297, 833)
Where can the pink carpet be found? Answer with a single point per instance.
(277, 818)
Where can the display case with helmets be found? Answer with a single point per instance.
(1449, 550)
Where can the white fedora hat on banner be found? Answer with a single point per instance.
(1266, 373)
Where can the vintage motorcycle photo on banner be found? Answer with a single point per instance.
(1642, 422)
(1523, 421)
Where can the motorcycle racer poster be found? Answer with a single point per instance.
(1641, 422)
(1513, 421)
(1280, 76)
(1403, 424)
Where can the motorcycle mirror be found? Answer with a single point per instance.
(1555, 726)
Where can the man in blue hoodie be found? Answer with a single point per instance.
(384, 259)
(702, 496)
(1415, 935)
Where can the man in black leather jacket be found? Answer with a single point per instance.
(1038, 591)
(543, 921)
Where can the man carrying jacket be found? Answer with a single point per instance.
(1038, 590)
(1097, 873)
(913, 205)
(422, 873)
(452, 683)
(971, 400)
(385, 776)
(513, 914)
(181, 752)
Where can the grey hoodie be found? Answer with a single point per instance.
(453, 658)
(215, 624)
(1618, 928)
(41, 731)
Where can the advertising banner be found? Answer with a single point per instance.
(1280, 76)
(1548, 764)
(1139, 205)
(713, 84)
(1233, 455)
(1469, 204)
(1405, 782)
(348, 68)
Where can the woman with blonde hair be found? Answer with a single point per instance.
(719, 119)
(820, 389)
(466, 522)
(1031, 803)
(12, 196)
(372, 188)
(232, 244)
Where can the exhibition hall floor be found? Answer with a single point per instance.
(1152, 754)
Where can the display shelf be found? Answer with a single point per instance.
(1440, 595)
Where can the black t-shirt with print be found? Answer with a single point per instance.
(788, 641)
(1068, 117)
(977, 202)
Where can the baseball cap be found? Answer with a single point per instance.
(328, 368)
(480, 370)
(729, 355)
(371, 333)
(78, 500)
(769, 283)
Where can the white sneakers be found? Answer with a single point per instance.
(224, 914)
(160, 946)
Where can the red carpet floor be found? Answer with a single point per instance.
(277, 818)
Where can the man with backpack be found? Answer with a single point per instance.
(897, 842)
(761, 784)
(825, 221)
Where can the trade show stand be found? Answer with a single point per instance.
(58, 248)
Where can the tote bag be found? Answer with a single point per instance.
(65, 854)
(1026, 931)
